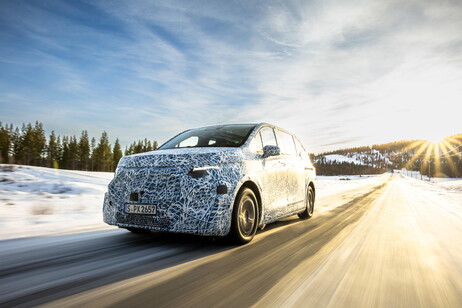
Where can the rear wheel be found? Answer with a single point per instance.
(309, 203)
(245, 217)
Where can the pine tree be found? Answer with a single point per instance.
(117, 154)
(84, 151)
(103, 154)
(92, 154)
(16, 145)
(73, 152)
(53, 151)
(39, 144)
(59, 154)
(131, 149)
(27, 141)
(141, 146)
(65, 157)
(147, 145)
(5, 143)
(138, 147)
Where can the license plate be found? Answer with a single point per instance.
(145, 209)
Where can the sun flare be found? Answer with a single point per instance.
(433, 154)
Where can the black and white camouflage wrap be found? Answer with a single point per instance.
(186, 204)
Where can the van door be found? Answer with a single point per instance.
(273, 181)
(295, 172)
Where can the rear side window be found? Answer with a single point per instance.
(286, 143)
(267, 136)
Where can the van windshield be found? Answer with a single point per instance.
(215, 136)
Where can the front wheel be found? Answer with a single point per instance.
(309, 202)
(245, 217)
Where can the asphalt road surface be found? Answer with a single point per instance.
(388, 245)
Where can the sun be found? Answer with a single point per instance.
(434, 152)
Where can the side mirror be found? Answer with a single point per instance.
(271, 150)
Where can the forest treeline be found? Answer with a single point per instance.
(415, 155)
(29, 145)
(345, 168)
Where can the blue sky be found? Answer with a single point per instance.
(336, 73)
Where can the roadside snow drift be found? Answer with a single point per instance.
(39, 201)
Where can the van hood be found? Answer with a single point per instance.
(194, 157)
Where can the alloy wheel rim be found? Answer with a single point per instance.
(246, 216)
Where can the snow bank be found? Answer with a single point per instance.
(41, 201)
(447, 188)
(331, 185)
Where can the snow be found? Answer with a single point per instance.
(331, 185)
(342, 159)
(450, 189)
(361, 158)
(36, 201)
(42, 201)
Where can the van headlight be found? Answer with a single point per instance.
(118, 169)
(200, 172)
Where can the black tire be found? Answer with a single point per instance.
(245, 218)
(139, 231)
(309, 203)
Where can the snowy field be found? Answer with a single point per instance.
(331, 185)
(448, 189)
(41, 201)
(36, 201)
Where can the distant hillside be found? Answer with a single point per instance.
(442, 160)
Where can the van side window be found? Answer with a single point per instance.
(256, 144)
(286, 143)
(267, 136)
(299, 146)
(301, 150)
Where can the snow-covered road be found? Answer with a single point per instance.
(389, 243)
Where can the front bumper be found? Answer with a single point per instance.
(184, 204)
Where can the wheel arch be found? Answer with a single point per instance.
(254, 187)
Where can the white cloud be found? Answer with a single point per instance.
(333, 72)
(332, 87)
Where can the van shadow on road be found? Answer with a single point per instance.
(37, 270)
